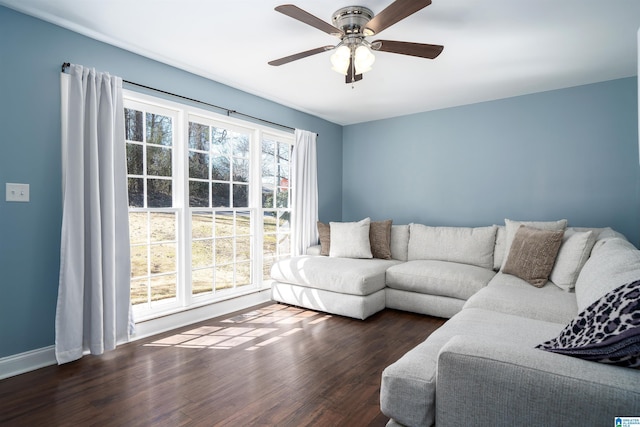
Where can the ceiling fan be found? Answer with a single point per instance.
(353, 24)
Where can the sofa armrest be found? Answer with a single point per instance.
(487, 382)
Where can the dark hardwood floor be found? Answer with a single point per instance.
(269, 365)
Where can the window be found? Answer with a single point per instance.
(205, 194)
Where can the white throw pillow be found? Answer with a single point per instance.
(511, 227)
(466, 245)
(350, 239)
(574, 252)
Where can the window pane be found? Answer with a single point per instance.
(243, 248)
(137, 227)
(243, 274)
(282, 198)
(219, 144)
(159, 161)
(199, 194)
(267, 198)
(220, 195)
(198, 136)
(139, 265)
(283, 220)
(135, 187)
(201, 281)
(135, 160)
(163, 258)
(201, 253)
(240, 145)
(240, 196)
(220, 169)
(139, 291)
(159, 129)
(162, 226)
(266, 268)
(198, 165)
(269, 222)
(284, 150)
(133, 125)
(283, 175)
(163, 287)
(224, 250)
(243, 223)
(159, 193)
(224, 224)
(269, 245)
(201, 225)
(224, 277)
(284, 244)
(241, 170)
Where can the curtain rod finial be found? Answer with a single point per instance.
(65, 65)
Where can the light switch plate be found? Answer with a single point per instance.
(17, 192)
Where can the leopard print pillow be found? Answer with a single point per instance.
(607, 331)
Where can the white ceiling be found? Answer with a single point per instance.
(492, 48)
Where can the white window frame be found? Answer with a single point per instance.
(180, 165)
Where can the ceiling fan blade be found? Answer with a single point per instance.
(422, 50)
(351, 73)
(300, 55)
(301, 15)
(396, 11)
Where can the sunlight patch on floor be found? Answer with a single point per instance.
(255, 325)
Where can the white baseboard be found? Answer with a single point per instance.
(39, 358)
(28, 361)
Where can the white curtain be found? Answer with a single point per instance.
(93, 310)
(304, 173)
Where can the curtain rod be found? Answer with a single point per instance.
(66, 65)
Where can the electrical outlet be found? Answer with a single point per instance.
(17, 192)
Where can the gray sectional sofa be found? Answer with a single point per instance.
(482, 366)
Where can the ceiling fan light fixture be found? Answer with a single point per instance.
(363, 59)
(340, 60)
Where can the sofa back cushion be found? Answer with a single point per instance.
(615, 262)
(467, 245)
(574, 252)
(500, 247)
(399, 242)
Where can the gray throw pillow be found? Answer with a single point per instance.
(532, 254)
(380, 238)
(324, 231)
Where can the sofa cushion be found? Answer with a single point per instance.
(442, 278)
(466, 245)
(613, 263)
(511, 295)
(574, 253)
(342, 275)
(350, 239)
(511, 227)
(499, 251)
(607, 331)
(399, 242)
(532, 254)
(407, 392)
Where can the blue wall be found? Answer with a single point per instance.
(570, 153)
(31, 53)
